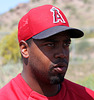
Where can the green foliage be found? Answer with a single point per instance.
(9, 71)
(68, 6)
(86, 1)
(35, 0)
(11, 10)
(71, 8)
(54, 1)
(83, 47)
(88, 82)
(9, 48)
(89, 35)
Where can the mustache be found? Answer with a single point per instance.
(58, 63)
(59, 60)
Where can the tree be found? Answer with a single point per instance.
(9, 48)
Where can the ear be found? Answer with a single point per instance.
(24, 49)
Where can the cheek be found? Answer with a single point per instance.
(40, 65)
(67, 56)
(67, 52)
(39, 59)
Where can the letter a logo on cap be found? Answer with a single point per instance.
(57, 16)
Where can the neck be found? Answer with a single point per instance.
(44, 89)
(49, 90)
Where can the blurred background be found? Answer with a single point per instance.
(80, 14)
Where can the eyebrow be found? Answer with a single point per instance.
(50, 40)
(55, 40)
(67, 40)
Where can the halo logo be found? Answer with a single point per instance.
(57, 16)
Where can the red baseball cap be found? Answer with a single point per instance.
(44, 21)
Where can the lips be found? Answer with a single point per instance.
(60, 68)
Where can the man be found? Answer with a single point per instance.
(44, 38)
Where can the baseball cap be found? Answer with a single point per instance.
(44, 21)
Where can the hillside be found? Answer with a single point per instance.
(80, 13)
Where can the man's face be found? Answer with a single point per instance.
(48, 58)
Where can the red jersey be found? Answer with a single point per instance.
(17, 89)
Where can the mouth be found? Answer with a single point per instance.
(60, 68)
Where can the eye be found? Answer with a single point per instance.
(67, 44)
(50, 44)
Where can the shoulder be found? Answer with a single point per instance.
(7, 91)
(78, 89)
(16, 89)
(4, 91)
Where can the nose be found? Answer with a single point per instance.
(61, 53)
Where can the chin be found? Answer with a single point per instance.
(56, 79)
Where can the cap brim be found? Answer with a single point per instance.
(73, 32)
